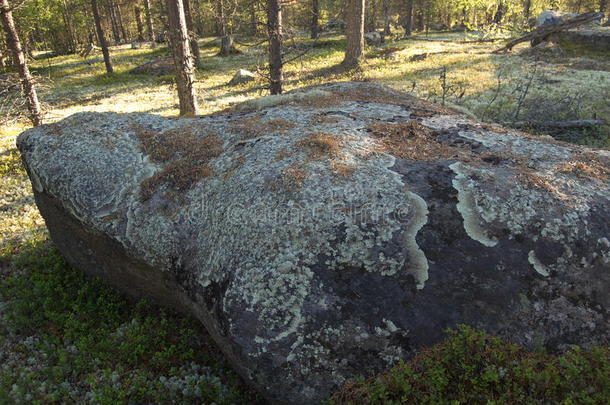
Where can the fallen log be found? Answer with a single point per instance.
(541, 34)
(558, 124)
(461, 41)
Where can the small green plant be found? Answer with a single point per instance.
(471, 367)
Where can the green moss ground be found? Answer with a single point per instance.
(68, 339)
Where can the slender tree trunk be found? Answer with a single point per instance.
(139, 23)
(409, 18)
(315, 19)
(100, 36)
(274, 27)
(499, 12)
(27, 81)
(183, 60)
(254, 17)
(226, 40)
(603, 5)
(149, 21)
(113, 22)
(69, 27)
(354, 50)
(119, 15)
(188, 14)
(386, 18)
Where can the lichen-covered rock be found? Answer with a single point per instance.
(334, 230)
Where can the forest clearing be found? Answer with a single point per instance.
(510, 147)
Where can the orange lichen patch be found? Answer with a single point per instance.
(536, 180)
(319, 145)
(185, 157)
(411, 140)
(281, 155)
(277, 125)
(292, 178)
(325, 119)
(249, 128)
(342, 169)
(237, 162)
(586, 169)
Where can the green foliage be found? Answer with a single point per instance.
(85, 339)
(470, 367)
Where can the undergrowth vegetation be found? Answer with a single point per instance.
(65, 338)
(470, 367)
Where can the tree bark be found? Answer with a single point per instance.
(139, 23)
(354, 50)
(119, 15)
(69, 28)
(409, 19)
(315, 19)
(274, 27)
(190, 26)
(386, 18)
(527, 9)
(183, 60)
(100, 36)
(149, 21)
(27, 81)
(113, 22)
(603, 5)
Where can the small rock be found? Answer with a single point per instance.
(242, 76)
(373, 38)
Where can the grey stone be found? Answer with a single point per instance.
(550, 17)
(331, 231)
(242, 76)
(373, 38)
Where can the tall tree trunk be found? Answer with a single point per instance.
(27, 81)
(254, 17)
(315, 19)
(119, 16)
(603, 5)
(149, 21)
(183, 60)
(100, 36)
(190, 26)
(354, 31)
(226, 40)
(386, 18)
(274, 27)
(69, 27)
(139, 23)
(499, 12)
(408, 22)
(113, 22)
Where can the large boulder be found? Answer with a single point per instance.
(333, 231)
(551, 17)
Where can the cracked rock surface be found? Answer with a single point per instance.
(332, 231)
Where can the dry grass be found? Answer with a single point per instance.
(319, 145)
(411, 140)
(184, 155)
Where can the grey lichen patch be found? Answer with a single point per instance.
(537, 264)
(279, 100)
(418, 266)
(467, 206)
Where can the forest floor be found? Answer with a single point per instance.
(64, 338)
